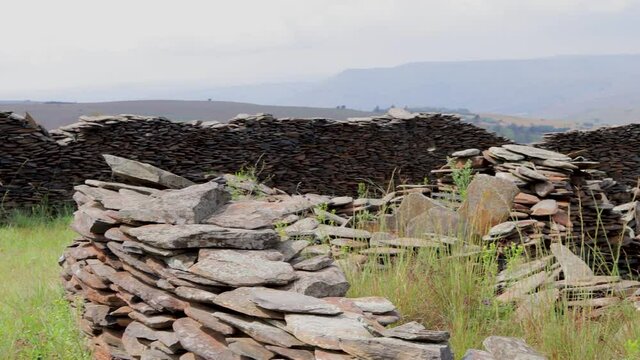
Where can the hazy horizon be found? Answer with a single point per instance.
(123, 50)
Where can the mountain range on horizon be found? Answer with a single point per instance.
(603, 89)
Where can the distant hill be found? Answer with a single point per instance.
(54, 114)
(604, 88)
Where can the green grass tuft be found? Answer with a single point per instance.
(35, 320)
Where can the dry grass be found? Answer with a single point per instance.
(458, 294)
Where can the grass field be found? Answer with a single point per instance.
(35, 321)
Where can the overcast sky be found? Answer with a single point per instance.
(50, 47)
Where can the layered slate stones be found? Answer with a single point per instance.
(144, 174)
(159, 285)
(203, 236)
(286, 301)
(242, 268)
(388, 348)
(325, 331)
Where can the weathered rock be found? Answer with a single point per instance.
(208, 344)
(203, 236)
(546, 207)
(573, 268)
(291, 353)
(488, 202)
(241, 300)
(191, 205)
(324, 231)
(473, 354)
(156, 298)
(325, 331)
(414, 331)
(536, 152)
(388, 348)
(437, 220)
(313, 264)
(145, 174)
(255, 214)
(510, 348)
(374, 304)
(259, 330)
(291, 302)
(242, 268)
(204, 315)
(327, 282)
(249, 348)
(466, 153)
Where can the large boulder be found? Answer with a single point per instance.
(488, 203)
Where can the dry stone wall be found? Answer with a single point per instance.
(169, 270)
(299, 155)
(617, 148)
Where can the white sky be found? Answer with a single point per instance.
(48, 46)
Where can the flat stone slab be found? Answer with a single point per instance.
(414, 331)
(242, 268)
(323, 231)
(389, 348)
(208, 344)
(505, 154)
(204, 315)
(203, 236)
(145, 174)
(313, 264)
(327, 282)
(255, 214)
(259, 330)
(241, 300)
(249, 348)
(291, 302)
(374, 304)
(572, 266)
(292, 353)
(156, 298)
(536, 152)
(510, 348)
(523, 287)
(325, 331)
(546, 207)
(191, 205)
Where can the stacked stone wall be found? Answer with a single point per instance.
(299, 155)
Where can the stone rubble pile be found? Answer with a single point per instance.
(299, 155)
(559, 199)
(168, 269)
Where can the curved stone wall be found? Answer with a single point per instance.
(296, 155)
(617, 148)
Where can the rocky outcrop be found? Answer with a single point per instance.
(171, 285)
(295, 155)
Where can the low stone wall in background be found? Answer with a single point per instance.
(299, 155)
(616, 148)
